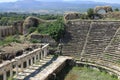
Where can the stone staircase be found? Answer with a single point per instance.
(99, 38)
(75, 37)
(112, 53)
(96, 40)
(53, 68)
(34, 69)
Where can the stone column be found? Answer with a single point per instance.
(21, 66)
(11, 72)
(45, 51)
(4, 75)
(16, 69)
(41, 54)
(27, 63)
(35, 58)
(38, 56)
(31, 60)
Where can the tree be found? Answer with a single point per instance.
(90, 13)
(116, 9)
(54, 29)
(84, 16)
(32, 29)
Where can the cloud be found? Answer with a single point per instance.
(69, 0)
(108, 1)
(7, 0)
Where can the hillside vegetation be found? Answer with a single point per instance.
(9, 18)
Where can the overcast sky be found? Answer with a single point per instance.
(108, 1)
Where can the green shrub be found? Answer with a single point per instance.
(9, 39)
(84, 73)
(90, 13)
(32, 29)
(116, 9)
(84, 16)
(55, 29)
(34, 41)
(44, 28)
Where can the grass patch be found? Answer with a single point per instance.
(108, 56)
(86, 73)
(8, 40)
(34, 41)
(118, 61)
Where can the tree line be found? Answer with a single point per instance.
(7, 19)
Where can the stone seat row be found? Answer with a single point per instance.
(110, 68)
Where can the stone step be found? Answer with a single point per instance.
(32, 68)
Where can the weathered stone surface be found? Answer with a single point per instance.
(0, 58)
(18, 26)
(43, 38)
(17, 64)
(31, 22)
(75, 36)
(12, 50)
(51, 69)
(90, 39)
(111, 15)
(106, 8)
(7, 30)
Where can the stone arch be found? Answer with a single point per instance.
(106, 8)
(31, 22)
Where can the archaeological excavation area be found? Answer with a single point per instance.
(93, 44)
(87, 49)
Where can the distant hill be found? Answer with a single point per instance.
(50, 7)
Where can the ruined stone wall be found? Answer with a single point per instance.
(113, 15)
(44, 39)
(18, 26)
(72, 15)
(106, 8)
(93, 40)
(10, 30)
(6, 31)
